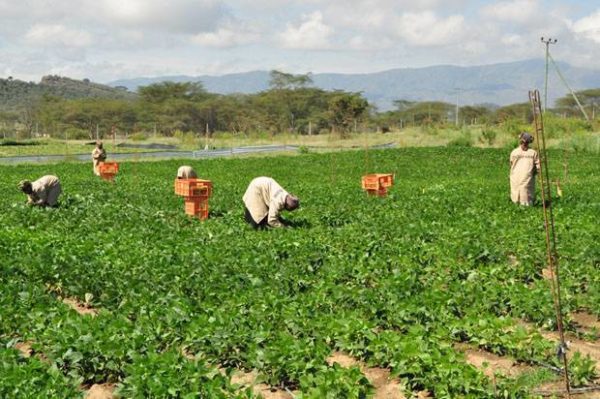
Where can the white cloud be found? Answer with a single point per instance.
(426, 29)
(514, 11)
(588, 27)
(511, 40)
(109, 39)
(228, 36)
(57, 35)
(178, 16)
(366, 43)
(311, 34)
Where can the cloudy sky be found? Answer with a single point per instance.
(104, 40)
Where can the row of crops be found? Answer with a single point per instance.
(396, 282)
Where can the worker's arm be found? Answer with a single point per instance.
(33, 199)
(538, 166)
(275, 207)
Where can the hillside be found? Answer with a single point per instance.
(500, 84)
(16, 93)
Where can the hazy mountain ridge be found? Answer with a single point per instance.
(501, 84)
(15, 93)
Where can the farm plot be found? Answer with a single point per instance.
(365, 297)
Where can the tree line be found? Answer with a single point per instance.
(291, 104)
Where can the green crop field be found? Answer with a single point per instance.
(443, 266)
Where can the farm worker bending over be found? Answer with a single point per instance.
(264, 200)
(186, 172)
(524, 165)
(98, 155)
(42, 192)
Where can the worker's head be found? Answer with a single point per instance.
(99, 144)
(291, 202)
(25, 186)
(525, 138)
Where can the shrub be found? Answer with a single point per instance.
(488, 136)
(514, 127)
(464, 140)
(185, 138)
(430, 130)
(556, 127)
(303, 149)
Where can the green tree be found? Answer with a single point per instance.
(281, 80)
(519, 112)
(474, 114)
(589, 99)
(346, 109)
(164, 91)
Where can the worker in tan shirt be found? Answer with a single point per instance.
(264, 200)
(98, 155)
(186, 172)
(42, 192)
(524, 165)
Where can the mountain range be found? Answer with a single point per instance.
(16, 94)
(495, 84)
(500, 84)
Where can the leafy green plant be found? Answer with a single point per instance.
(582, 370)
(395, 282)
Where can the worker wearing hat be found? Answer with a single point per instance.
(98, 155)
(524, 165)
(186, 172)
(264, 200)
(42, 192)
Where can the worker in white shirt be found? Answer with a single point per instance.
(42, 192)
(524, 165)
(186, 172)
(264, 200)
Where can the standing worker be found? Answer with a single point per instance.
(98, 155)
(42, 192)
(524, 165)
(186, 172)
(264, 200)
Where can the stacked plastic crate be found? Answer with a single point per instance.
(196, 193)
(377, 183)
(108, 170)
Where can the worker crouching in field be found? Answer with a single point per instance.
(186, 172)
(98, 155)
(524, 165)
(42, 192)
(264, 200)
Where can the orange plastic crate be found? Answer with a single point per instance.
(197, 206)
(377, 181)
(107, 176)
(193, 187)
(108, 168)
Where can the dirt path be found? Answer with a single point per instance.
(248, 379)
(491, 364)
(101, 391)
(586, 322)
(385, 387)
(24, 348)
(556, 390)
(80, 307)
(577, 345)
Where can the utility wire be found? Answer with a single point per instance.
(569, 87)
